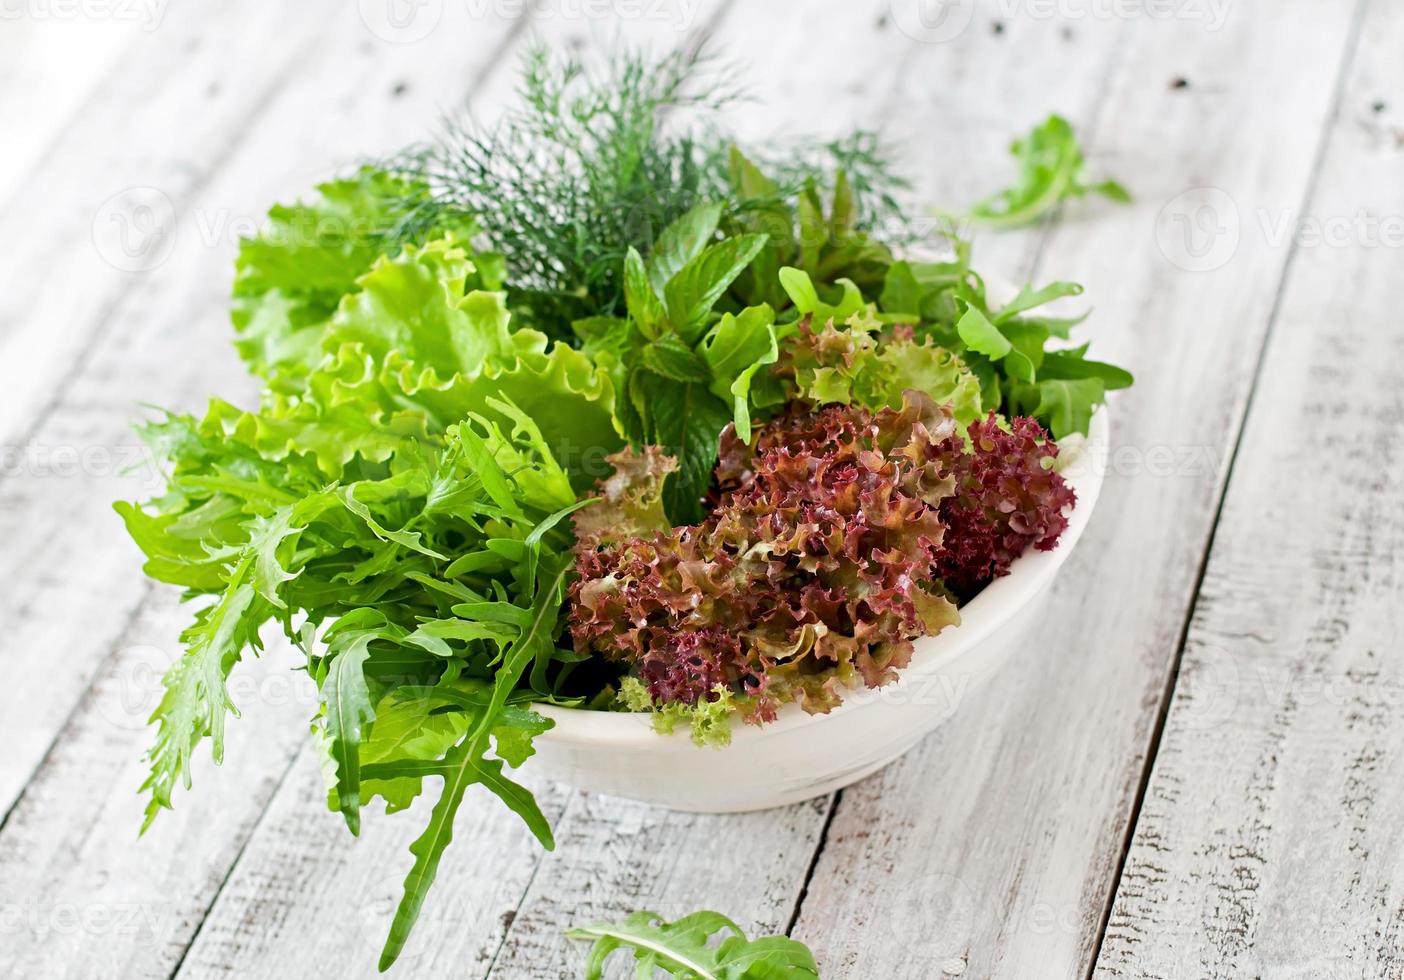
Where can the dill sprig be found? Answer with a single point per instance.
(593, 161)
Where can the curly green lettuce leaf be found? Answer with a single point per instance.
(688, 948)
(708, 719)
(853, 365)
(290, 277)
(410, 354)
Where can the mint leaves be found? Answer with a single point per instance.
(685, 369)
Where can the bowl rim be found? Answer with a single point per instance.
(995, 605)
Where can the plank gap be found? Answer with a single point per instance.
(526, 890)
(81, 701)
(834, 801)
(1309, 191)
(229, 871)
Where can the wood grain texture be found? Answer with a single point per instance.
(89, 342)
(1003, 832)
(307, 899)
(162, 336)
(615, 857)
(80, 896)
(49, 67)
(1270, 843)
(101, 205)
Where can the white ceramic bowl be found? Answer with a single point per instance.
(800, 756)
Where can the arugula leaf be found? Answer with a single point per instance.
(799, 286)
(465, 764)
(682, 949)
(1068, 404)
(1005, 348)
(735, 350)
(1028, 298)
(196, 698)
(1050, 171)
(346, 700)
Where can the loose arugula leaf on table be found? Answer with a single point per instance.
(684, 949)
(1050, 172)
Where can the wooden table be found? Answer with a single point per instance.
(1198, 769)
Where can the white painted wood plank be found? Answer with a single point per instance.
(49, 66)
(76, 584)
(307, 899)
(614, 857)
(99, 208)
(992, 849)
(164, 339)
(80, 896)
(1271, 842)
(861, 70)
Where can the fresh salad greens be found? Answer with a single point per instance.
(685, 949)
(1050, 172)
(600, 412)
